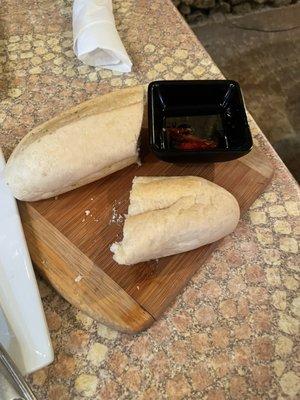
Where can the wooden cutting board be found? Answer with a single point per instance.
(69, 239)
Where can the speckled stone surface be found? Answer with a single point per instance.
(232, 333)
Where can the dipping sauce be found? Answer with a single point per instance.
(197, 132)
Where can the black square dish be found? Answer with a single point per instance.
(197, 121)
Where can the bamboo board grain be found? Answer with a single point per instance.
(71, 249)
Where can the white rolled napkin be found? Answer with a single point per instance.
(96, 40)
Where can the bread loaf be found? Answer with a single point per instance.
(170, 215)
(89, 141)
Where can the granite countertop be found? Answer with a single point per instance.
(232, 333)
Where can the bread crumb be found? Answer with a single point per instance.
(83, 219)
(78, 278)
(138, 288)
(92, 198)
(87, 212)
(56, 197)
(116, 218)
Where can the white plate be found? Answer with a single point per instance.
(23, 328)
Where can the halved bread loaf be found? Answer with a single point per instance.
(83, 144)
(170, 215)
